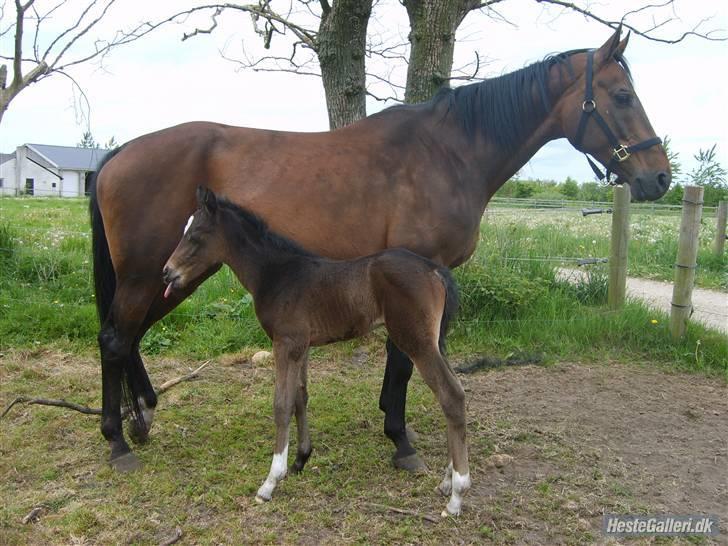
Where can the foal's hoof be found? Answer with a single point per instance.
(128, 462)
(139, 434)
(261, 500)
(410, 463)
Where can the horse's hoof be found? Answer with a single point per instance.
(261, 500)
(412, 436)
(128, 462)
(410, 463)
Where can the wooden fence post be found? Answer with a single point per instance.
(618, 247)
(687, 253)
(719, 243)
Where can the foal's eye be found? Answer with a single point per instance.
(623, 99)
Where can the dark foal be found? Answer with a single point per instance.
(304, 300)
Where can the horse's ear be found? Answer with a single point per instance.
(206, 199)
(611, 47)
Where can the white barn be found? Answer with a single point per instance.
(45, 170)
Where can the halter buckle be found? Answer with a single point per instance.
(621, 153)
(589, 106)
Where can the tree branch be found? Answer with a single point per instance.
(164, 387)
(709, 35)
(209, 30)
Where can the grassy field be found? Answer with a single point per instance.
(511, 299)
(211, 445)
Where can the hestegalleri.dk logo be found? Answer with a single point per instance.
(616, 525)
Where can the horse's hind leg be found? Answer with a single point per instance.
(289, 356)
(304, 437)
(393, 401)
(118, 371)
(147, 398)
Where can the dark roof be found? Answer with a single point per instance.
(68, 157)
(6, 157)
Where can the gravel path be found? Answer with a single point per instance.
(710, 306)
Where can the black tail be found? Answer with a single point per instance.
(452, 303)
(104, 275)
(105, 287)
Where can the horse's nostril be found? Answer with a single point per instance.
(663, 180)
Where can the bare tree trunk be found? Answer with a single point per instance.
(432, 37)
(341, 43)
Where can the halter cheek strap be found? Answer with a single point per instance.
(620, 152)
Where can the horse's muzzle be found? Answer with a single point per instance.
(650, 186)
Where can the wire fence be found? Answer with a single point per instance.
(498, 209)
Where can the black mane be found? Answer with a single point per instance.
(503, 108)
(257, 230)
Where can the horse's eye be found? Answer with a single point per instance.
(623, 99)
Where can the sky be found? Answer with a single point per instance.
(161, 81)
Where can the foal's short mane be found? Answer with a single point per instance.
(256, 229)
(503, 108)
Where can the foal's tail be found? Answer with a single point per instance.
(452, 302)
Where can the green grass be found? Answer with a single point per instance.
(511, 299)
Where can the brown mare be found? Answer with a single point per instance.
(303, 300)
(413, 176)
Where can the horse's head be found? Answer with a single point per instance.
(601, 115)
(201, 247)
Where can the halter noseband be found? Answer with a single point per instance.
(620, 152)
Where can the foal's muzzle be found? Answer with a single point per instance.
(170, 277)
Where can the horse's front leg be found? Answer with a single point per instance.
(289, 356)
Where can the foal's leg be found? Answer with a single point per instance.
(304, 437)
(449, 392)
(289, 356)
(392, 401)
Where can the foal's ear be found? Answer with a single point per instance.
(206, 199)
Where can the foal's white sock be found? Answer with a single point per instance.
(278, 470)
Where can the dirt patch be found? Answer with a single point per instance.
(601, 439)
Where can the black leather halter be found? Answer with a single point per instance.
(589, 110)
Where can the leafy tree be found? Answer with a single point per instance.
(673, 157)
(111, 144)
(87, 141)
(569, 188)
(710, 174)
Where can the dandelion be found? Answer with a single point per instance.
(653, 321)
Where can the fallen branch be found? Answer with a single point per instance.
(164, 387)
(403, 511)
(51, 402)
(33, 516)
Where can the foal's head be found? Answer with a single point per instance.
(202, 247)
